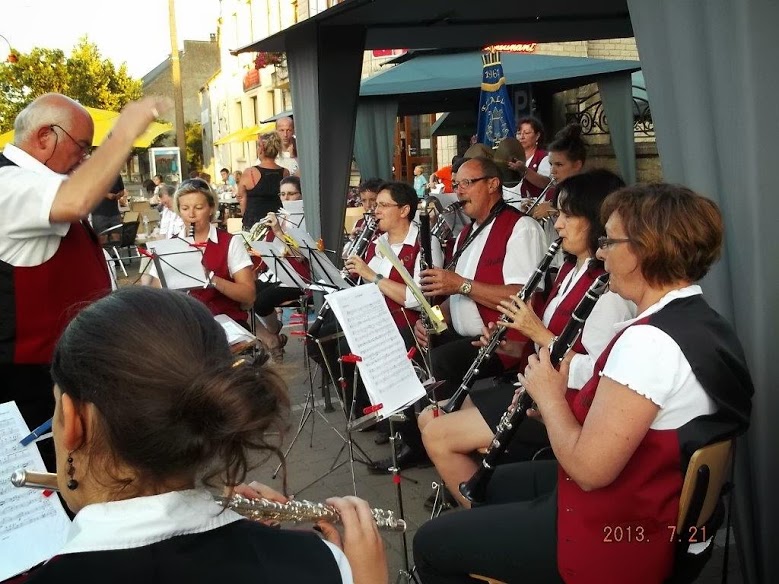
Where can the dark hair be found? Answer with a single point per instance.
(224, 170)
(159, 176)
(149, 186)
(675, 232)
(291, 180)
(569, 142)
(536, 124)
(370, 184)
(183, 411)
(582, 195)
(457, 162)
(403, 194)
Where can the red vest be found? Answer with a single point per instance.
(565, 309)
(37, 302)
(528, 190)
(642, 502)
(215, 260)
(408, 256)
(489, 270)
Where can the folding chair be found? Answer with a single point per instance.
(700, 507)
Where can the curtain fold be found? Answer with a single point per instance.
(374, 137)
(324, 71)
(711, 77)
(617, 94)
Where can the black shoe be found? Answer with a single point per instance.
(407, 458)
(381, 437)
(448, 502)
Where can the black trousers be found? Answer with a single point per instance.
(450, 359)
(273, 294)
(513, 537)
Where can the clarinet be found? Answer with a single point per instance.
(475, 489)
(359, 248)
(457, 399)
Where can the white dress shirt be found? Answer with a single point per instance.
(27, 191)
(651, 363)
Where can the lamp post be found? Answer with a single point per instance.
(11, 58)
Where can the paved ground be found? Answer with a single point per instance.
(318, 468)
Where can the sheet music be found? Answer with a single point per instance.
(234, 331)
(272, 254)
(294, 215)
(180, 262)
(33, 527)
(386, 370)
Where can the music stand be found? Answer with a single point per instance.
(178, 263)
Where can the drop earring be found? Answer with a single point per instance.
(72, 483)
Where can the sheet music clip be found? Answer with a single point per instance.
(350, 358)
(367, 420)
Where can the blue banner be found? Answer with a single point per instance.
(496, 116)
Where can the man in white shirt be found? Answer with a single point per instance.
(50, 260)
(288, 156)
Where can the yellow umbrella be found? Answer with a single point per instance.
(104, 121)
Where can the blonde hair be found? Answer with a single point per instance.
(269, 145)
(197, 185)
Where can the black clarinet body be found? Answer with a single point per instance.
(457, 399)
(475, 488)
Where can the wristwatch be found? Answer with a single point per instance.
(465, 287)
(378, 278)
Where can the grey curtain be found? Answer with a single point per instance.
(710, 68)
(617, 94)
(324, 71)
(374, 137)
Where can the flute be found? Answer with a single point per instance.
(294, 511)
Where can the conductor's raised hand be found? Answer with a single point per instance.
(360, 542)
(439, 282)
(420, 332)
(138, 115)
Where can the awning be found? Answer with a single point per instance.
(278, 116)
(437, 73)
(104, 121)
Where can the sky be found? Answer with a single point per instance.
(135, 32)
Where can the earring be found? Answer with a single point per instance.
(72, 483)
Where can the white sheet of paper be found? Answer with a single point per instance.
(182, 264)
(294, 212)
(234, 331)
(271, 252)
(33, 527)
(385, 369)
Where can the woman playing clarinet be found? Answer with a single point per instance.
(671, 380)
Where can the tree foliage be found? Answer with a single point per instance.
(84, 75)
(193, 134)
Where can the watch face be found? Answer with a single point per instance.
(466, 287)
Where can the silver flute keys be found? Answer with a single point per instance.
(255, 509)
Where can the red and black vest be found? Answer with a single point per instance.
(528, 190)
(215, 260)
(408, 256)
(37, 302)
(489, 270)
(643, 501)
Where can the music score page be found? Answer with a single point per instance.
(33, 527)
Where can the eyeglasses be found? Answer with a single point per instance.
(467, 182)
(606, 242)
(85, 150)
(387, 205)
